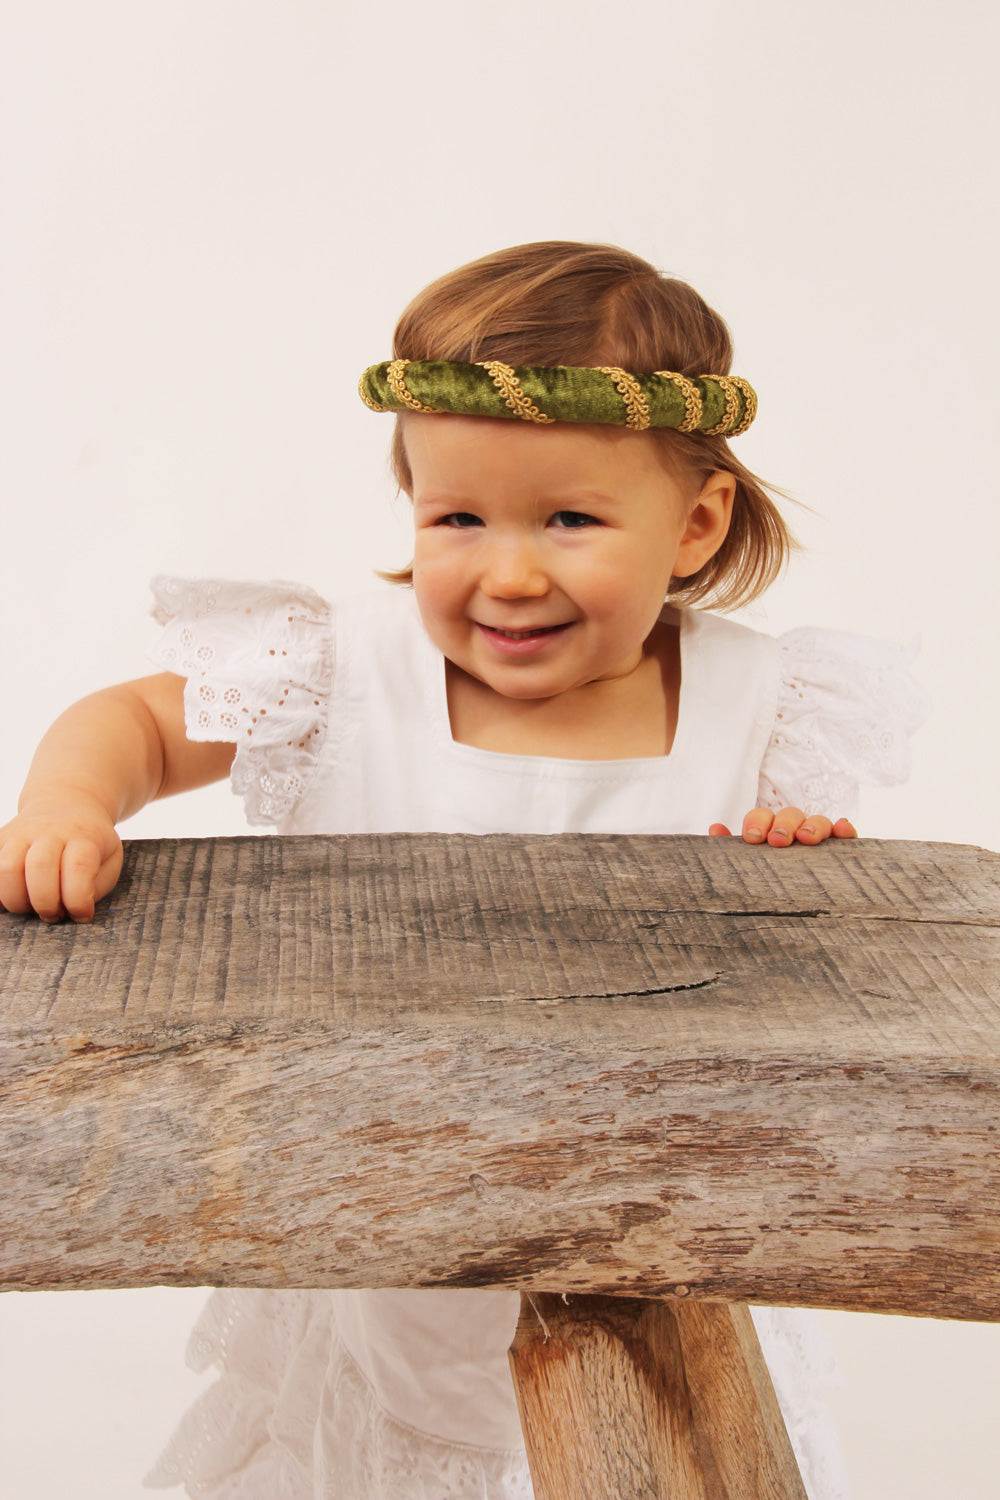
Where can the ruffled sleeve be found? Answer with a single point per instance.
(258, 664)
(847, 706)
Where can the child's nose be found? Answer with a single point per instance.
(513, 571)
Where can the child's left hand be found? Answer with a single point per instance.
(789, 826)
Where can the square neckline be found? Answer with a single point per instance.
(569, 766)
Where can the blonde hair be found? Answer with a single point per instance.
(561, 303)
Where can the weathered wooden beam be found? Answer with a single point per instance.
(621, 1065)
(670, 1400)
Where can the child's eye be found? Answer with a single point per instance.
(460, 518)
(573, 520)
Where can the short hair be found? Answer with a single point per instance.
(557, 302)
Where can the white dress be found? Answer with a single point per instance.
(341, 721)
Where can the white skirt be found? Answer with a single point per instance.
(406, 1396)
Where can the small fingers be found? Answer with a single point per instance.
(107, 875)
(780, 829)
(786, 825)
(57, 866)
(79, 870)
(814, 830)
(789, 826)
(757, 825)
(719, 830)
(13, 887)
(61, 878)
(42, 876)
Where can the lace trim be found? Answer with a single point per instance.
(257, 659)
(293, 1416)
(846, 708)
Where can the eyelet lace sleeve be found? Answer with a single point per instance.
(847, 706)
(257, 659)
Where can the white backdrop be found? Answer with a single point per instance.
(214, 212)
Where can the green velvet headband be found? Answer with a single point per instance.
(722, 405)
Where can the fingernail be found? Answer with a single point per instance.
(778, 835)
(808, 828)
(753, 835)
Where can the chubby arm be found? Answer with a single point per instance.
(788, 826)
(101, 761)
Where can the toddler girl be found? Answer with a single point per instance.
(563, 416)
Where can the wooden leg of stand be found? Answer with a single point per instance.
(626, 1398)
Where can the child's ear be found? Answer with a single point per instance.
(707, 524)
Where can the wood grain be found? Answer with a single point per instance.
(618, 1065)
(668, 1400)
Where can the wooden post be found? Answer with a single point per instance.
(664, 1400)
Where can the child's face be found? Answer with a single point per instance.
(543, 555)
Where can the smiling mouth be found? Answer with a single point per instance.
(523, 635)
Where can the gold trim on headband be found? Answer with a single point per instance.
(505, 379)
(749, 404)
(713, 405)
(693, 404)
(637, 411)
(730, 416)
(396, 375)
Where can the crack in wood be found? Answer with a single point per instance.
(807, 912)
(650, 994)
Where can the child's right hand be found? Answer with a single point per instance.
(102, 760)
(58, 858)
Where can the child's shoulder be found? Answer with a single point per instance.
(721, 649)
(843, 706)
(837, 661)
